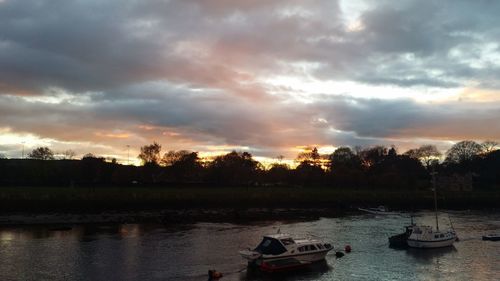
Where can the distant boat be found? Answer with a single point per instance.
(401, 240)
(492, 237)
(380, 210)
(279, 252)
(424, 236)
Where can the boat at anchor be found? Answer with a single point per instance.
(281, 251)
(492, 237)
(380, 210)
(425, 236)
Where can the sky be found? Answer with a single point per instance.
(265, 76)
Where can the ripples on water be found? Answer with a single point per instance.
(187, 252)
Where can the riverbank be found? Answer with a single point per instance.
(169, 216)
(155, 204)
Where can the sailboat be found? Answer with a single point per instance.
(424, 236)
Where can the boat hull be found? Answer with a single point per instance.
(282, 265)
(491, 237)
(430, 244)
(399, 241)
(302, 258)
(376, 212)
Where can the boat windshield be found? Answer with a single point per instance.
(270, 246)
(287, 241)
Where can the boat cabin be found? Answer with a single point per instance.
(280, 243)
(428, 233)
(274, 244)
(313, 247)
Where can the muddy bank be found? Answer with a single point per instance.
(185, 216)
(171, 216)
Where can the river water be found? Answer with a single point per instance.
(188, 251)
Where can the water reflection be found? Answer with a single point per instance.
(429, 255)
(187, 252)
(86, 232)
(311, 272)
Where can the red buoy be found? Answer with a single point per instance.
(214, 275)
(347, 248)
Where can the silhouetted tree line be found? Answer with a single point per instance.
(376, 167)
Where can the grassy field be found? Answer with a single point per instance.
(108, 198)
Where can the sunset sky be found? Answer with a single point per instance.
(262, 76)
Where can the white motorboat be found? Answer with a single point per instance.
(380, 210)
(282, 247)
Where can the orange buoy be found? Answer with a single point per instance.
(214, 275)
(347, 248)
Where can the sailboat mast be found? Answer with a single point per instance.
(435, 199)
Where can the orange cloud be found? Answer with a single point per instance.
(479, 95)
(15, 90)
(113, 136)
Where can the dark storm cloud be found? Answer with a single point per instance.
(94, 45)
(402, 41)
(87, 45)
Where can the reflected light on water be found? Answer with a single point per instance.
(187, 252)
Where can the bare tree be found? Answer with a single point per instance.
(413, 153)
(429, 153)
(463, 151)
(88, 156)
(68, 154)
(426, 153)
(310, 155)
(150, 154)
(171, 157)
(489, 146)
(280, 158)
(41, 153)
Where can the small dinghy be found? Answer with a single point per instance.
(492, 237)
(400, 241)
(380, 210)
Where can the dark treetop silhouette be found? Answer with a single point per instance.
(376, 167)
